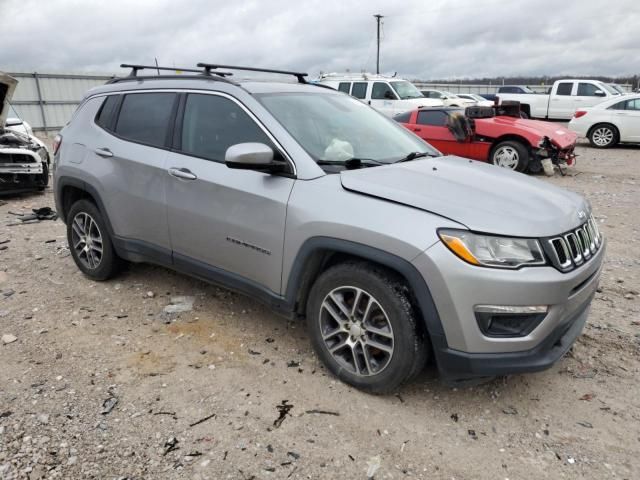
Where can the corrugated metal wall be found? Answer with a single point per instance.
(47, 100)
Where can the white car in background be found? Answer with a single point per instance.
(480, 101)
(609, 123)
(449, 99)
(389, 95)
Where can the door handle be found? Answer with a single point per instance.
(183, 173)
(417, 129)
(103, 152)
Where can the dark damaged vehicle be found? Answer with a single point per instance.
(24, 160)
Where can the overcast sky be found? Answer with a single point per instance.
(421, 39)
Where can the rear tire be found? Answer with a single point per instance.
(364, 327)
(603, 136)
(90, 243)
(510, 154)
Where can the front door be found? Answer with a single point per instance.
(224, 221)
(383, 98)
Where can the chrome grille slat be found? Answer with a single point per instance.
(574, 248)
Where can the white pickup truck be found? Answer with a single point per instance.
(565, 98)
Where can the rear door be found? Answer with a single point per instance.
(628, 121)
(132, 150)
(224, 222)
(561, 101)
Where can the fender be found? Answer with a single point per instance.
(316, 245)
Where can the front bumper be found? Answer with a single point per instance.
(462, 351)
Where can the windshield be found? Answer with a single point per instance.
(609, 89)
(406, 89)
(337, 128)
(617, 88)
(450, 95)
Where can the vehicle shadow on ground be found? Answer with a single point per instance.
(263, 322)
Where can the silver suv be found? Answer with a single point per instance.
(306, 199)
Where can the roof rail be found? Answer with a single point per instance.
(211, 66)
(133, 75)
(135, 68)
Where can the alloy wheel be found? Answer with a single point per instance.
(356, 331)
(602, 136)
(87, 240)
(506, 157)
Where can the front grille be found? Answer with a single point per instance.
(574, 248)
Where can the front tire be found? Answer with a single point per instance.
(510, 154)
(89, 241)
(603, 136)
(364, 327)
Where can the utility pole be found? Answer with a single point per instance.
(378, 17)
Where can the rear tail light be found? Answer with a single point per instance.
(579, 113)
(56, 144)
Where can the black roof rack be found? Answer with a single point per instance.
(135, 68)
(133, 75)
(211, 66)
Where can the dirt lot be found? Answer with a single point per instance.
(101, 383)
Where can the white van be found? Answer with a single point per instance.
(388, 95)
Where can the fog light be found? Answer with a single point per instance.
(509, 321)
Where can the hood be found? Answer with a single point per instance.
(533, 129)
(483, 197)
(7, 86)
(423, 102)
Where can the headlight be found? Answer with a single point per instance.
(492, 251)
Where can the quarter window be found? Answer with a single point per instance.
(618, 106)
(382, 91)
(212, 124)
(344, 87)
(564, 88)
(359, 90)
(432, 117)
(145, 117)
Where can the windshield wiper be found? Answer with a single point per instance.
(414, 155)
(352, 163)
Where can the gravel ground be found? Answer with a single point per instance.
(101, 382)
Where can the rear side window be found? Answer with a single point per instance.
(359, 90)
(380, 90)
(633, 104)
(212, 124)
(145, 117)
(587, 90)
(436, 117)
(107, 112)
(344, 87)
(564, 88)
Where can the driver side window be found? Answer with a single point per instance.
(587, 90)
(211, 124)
(382, 91)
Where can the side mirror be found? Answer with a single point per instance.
(599, 93)
(389, 95)
(252, 156)
(13, 122)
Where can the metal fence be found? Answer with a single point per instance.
(485, 88)
(48, 100)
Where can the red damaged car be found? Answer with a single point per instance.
(494, 134)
